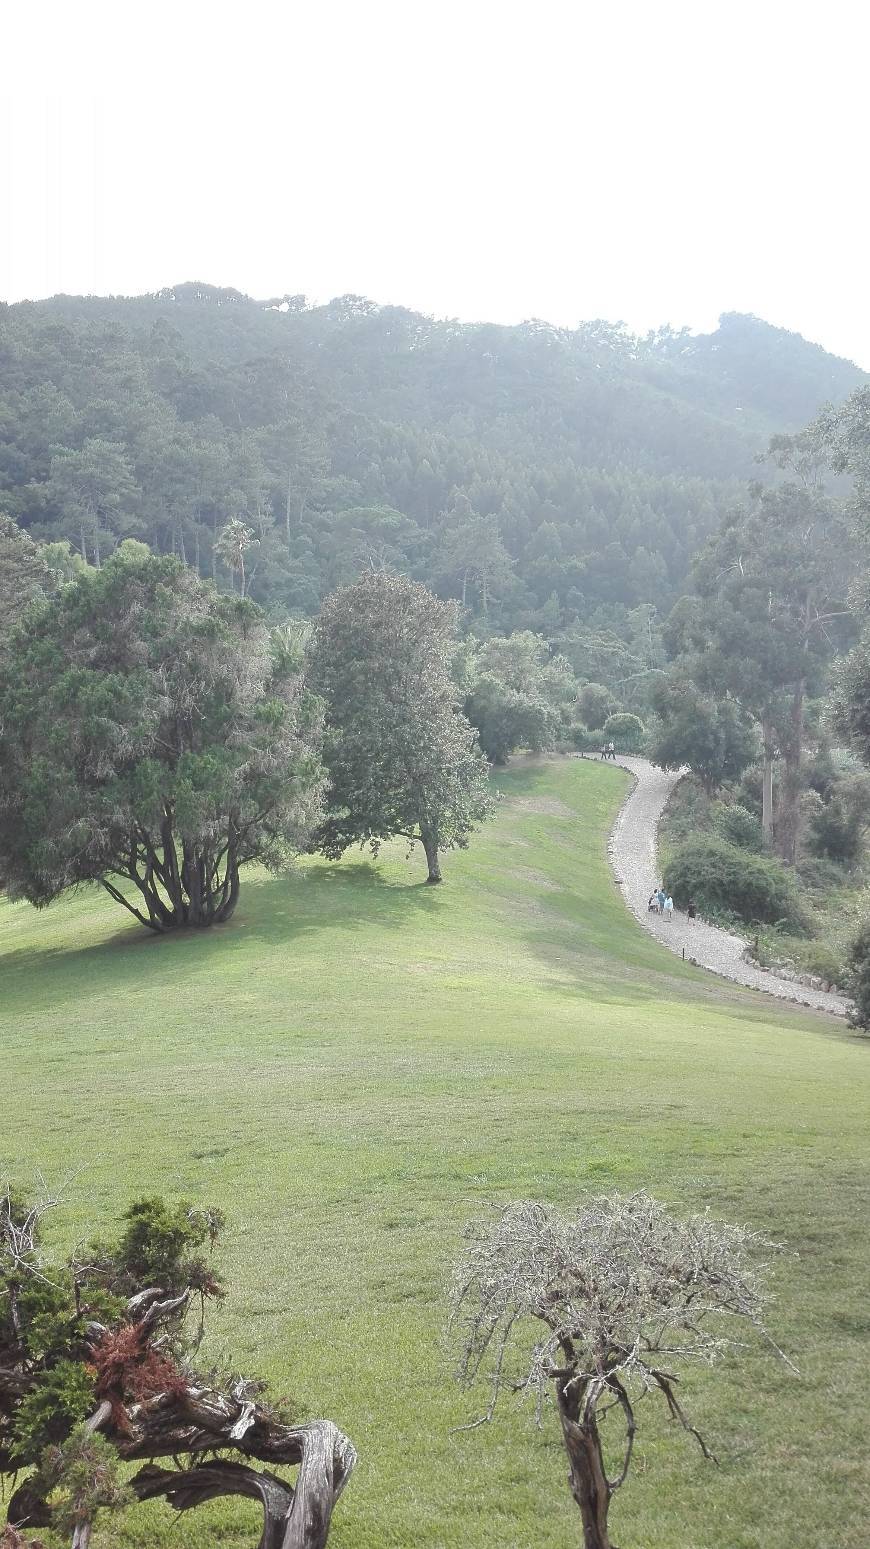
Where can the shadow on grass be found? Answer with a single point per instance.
(276, 911)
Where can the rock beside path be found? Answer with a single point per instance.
(632, 851)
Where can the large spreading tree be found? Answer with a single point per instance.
(154, 737)
(400, 756)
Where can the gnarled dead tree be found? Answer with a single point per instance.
(96, 1367)
(623, 1293)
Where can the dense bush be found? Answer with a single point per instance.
(858, 976)
(625, 729)
(582, 740)
(595, 703)
(822, 875)
(718, 877)
(836, 828)
(737, 825)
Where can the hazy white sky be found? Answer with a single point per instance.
(658, 162)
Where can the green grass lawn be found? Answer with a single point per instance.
(359, 1063)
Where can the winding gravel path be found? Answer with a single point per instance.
(632, 851)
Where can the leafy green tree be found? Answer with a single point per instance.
(24, 575)
(771, 613)
(843, 434)
(472, 554)
(595, 703)
(851, 698)
(517, 694)
(713, 737)
(399, 753)
(624, 729)
(154, 740)
(96, 490)
(234, 542)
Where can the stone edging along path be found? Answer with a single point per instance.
(632, 852)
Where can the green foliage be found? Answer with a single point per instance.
(60, 1398)
(851, 699)
(822, 961)
(595, 703)
(516, 694)
(549, 472)
(148, 733)
(837, 827)
(399, 753)
(582, 740)
(83, 1475)
(738, 826)
(47, 1313)
(24, 576)
(720, 878)
(627, 731)
(770, 616)
(155, 1246)
(714, 737)
(858, 977)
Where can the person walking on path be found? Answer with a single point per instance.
(661, 895)
(669, 909)
(690, 912)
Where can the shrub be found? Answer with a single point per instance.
(858, 976)
(625, 729)
(820, 875)
(58, 1400)
(820, 960)
(717, 876)
(582, 740)
(737, 825)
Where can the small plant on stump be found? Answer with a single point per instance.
(596, 1308)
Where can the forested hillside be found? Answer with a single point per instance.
(551, 479)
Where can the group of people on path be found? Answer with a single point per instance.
(661, 902)
(608, 750)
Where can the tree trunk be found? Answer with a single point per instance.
(788, 827)
(587, 1478)
(767, 781)
(429, 836)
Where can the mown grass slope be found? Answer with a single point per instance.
(359, 1063)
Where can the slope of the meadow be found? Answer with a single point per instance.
(359, 1063)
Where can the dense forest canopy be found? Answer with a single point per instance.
(553, 479)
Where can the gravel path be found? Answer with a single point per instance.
(632, 850)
